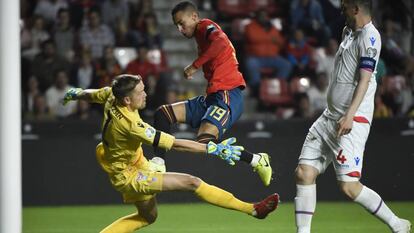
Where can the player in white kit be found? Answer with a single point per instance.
(338, 136)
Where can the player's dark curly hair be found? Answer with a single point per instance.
(123, 85)
(183, 6)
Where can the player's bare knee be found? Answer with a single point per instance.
(300, 175)
(305, 175)
(346, 190)
(208, 128)
(206, 138)
(192, 182)
(350, 189)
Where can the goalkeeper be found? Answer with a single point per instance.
(120, 155)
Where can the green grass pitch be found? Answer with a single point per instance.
(337, 217)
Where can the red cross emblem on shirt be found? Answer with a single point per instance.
(340, 157)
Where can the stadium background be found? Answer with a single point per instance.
(62, 183)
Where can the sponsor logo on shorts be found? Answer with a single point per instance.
(344, 165)
(141, 177)
(357, 160)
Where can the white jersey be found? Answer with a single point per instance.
(359, 49)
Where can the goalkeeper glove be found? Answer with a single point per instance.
(71, 94)
(225, 150)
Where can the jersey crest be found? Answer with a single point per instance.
(210, 28)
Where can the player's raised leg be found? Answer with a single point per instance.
(259, 161)
(374, 204)
(305, 200)
(217, 196)
(146, 215)
(217, 119)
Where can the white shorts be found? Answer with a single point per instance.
(321, 147)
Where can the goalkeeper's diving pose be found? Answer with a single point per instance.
(120, 154)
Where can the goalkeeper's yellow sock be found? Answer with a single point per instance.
(222, 198)
(126, 224)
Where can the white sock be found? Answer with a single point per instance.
(305, 204)
(371, 201)
(255, 160)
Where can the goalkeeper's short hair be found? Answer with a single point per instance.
(123, 85)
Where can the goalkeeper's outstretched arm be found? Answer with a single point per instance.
(86, 94)
(224, 150)
(188, 146)
(79, 94)
(99, 96)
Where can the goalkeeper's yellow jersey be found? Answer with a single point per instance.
(123, 133)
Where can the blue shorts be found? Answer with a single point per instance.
(221, 108)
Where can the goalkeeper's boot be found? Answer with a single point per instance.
(264, 169)
(157, 164)
(403, 227)
(266, 206)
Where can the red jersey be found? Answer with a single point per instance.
(217, 56)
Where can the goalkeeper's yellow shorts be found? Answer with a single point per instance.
(137, 183)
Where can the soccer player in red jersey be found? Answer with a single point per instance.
(216, 112)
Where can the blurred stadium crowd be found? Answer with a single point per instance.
(285, 49)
